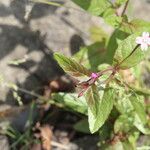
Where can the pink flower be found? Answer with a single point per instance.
(143, 40)
(94, 75)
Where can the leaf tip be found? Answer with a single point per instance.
(56, 55)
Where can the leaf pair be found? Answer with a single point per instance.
(99, 106)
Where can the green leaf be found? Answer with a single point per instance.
(71, 102)
(127, 145)
(140, 126)
(113, 42)
(71, 67)
(141, 90)
(124, 49)
(139, 108)
(92, 56)
(97, 34)
(132, 106)
(143, 148)
(103, 108)
(120, 2)
(111, 18)
(119, 145)
(122, 102)
(116, 146)
(92, 97)
(133, 137)
(123, 123)
(135, 25)
(105, 132)
(95, 7)
(82, 126)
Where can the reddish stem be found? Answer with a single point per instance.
(104, 71)
(125, 7)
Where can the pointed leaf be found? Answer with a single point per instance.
(135, 25)
(104, 107)
(116, 36)
(139, 108)
(71, 102)
(93, 98)
(140, 125)
(140, 117)
(92, 56)
(71, 67)
(111, 18)
(125, 48)
(82, 126)
(123, 123)
(97, 34)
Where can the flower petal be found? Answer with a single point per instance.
(144, 47)
(94, 75)
(148, 41)
(139, 40)
(145, 34)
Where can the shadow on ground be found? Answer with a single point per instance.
(11, 36)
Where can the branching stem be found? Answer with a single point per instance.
(125, 7)
(115, 68)
(128, 55)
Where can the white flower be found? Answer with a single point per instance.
(143, 40)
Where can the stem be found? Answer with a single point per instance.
(104, 71)
(115, 68)
(128, 56)
(109, 78)
(142, 91)
(44, 100)
(47, 2)
(125, 7)
(57, 4)
(112, 5)
(31, 93)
